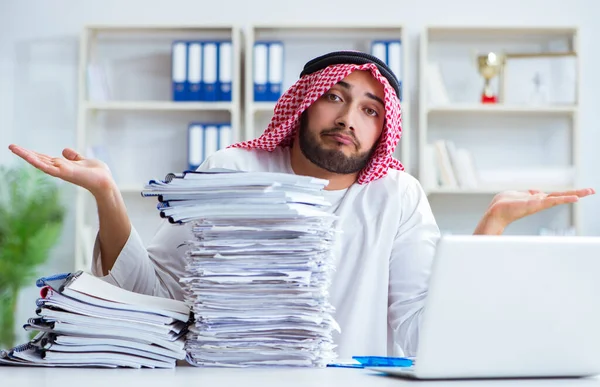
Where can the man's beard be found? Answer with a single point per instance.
(332, 160)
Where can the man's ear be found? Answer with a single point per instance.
(303, 117)
(302, 121)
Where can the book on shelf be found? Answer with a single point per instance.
(206, 138)
(202, 70)
(448, 166)
(451, 167)
(436, 91)
(268, 62)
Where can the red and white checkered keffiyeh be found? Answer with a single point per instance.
(306, 91)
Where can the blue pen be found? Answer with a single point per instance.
(373, 361)
(381, 361)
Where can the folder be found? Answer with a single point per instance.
(225, 58)
(260, 71)
(225, 136)
(194, 71)
(275, 70)
(251, 294)
(195, 146)
(379, 50)
(390, 52)
(85, 287)
(178, 70)
(211, 139)
(209, 71)
(395, 61)
(82, 321)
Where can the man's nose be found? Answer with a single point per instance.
(346, 119)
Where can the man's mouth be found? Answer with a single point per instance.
(342, 139)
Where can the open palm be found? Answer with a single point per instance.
(510, 206)
(90, 174)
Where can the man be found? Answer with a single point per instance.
(340, 122)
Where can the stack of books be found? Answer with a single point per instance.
(82, 320)
(258, 269)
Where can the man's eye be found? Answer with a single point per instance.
(333, 97)
(371, 112)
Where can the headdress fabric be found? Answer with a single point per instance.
(318, 76)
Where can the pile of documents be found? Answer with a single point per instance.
(84, 321)
(258, 269)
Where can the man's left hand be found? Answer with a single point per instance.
(509, 206)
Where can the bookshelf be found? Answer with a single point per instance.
(512, 144)
(303, 42)
(136, 122)
(495, 109)
(159, 106)
(141, 131)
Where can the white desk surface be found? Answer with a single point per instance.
(256, 377)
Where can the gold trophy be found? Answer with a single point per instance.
(490, 65)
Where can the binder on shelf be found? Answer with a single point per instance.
(390, 52)
(395, 61)
(209, 71)
(211, 139)
(379, 50)
(178, 70)
(260, 71)
(275, 71)
(194, 71)
(206, 138)
(195, 146)
(225, 59)
(225, 136)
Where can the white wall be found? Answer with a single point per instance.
(39, 43)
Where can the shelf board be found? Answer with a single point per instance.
(488, 190)
(159, 106)
(479, 33)
(328, 26)
(263, 107)
(157, 27)
(500, 108)
(503, 29)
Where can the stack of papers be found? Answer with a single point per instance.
(259, 268)
(82, 320)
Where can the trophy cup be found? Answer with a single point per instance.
(490, 65)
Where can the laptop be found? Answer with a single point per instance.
(510, 307)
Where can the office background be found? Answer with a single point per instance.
(39, 43)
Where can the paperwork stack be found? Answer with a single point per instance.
(84, 321)
(258, 269)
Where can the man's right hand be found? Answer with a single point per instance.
(93, 175)
(90, 174)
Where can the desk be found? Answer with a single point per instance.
(256, 377)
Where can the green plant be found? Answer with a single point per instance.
(31, 218)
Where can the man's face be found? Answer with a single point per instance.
(340, 131)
